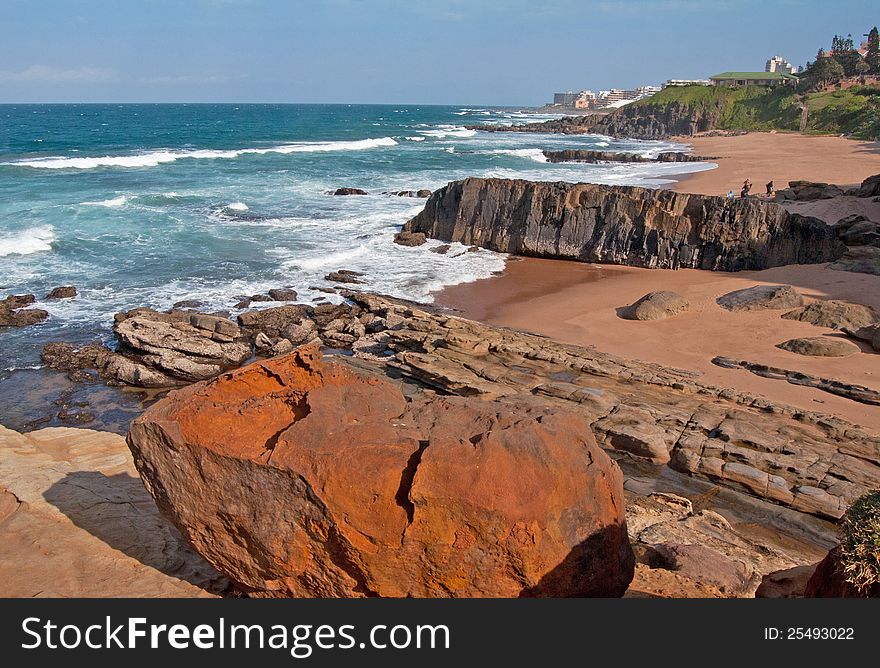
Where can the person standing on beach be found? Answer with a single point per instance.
(770, 189)
(747, 186)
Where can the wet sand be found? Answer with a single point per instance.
(578, 303)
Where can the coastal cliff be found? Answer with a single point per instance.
(623, 225)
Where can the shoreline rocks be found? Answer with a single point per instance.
(588, 156)
(15, 311)
(63, 292)
(622, 225)
(414, 508)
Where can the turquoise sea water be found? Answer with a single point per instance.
(146, 205)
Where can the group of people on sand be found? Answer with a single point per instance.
(747, 188)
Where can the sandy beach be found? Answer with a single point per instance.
(779, 157)
(578, 303)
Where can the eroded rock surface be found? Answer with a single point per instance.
(334, 484)
(761, 297)
(623, 225)
(835, 314)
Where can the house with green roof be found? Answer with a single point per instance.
(752, 79)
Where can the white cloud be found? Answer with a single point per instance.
(46, 74)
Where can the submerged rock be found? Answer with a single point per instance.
(336, 485)
(64, 292)
(350, 191)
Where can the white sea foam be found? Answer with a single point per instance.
(237, 206)
(155, 158)
(535, 154)
(25, 242)
(441, 131)
(109, 203)
(416, 138)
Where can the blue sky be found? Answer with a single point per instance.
(515, 52)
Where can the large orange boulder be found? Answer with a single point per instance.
(299, 476)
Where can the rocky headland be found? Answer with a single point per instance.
(623, 225)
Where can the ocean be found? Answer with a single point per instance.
(150, 204)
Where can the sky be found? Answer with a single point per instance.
(499, 52)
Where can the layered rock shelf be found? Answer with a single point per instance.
(623, 225)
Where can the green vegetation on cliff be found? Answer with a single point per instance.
(854, 110)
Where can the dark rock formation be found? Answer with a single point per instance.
(406, 238)
(350, 191)
(861, 259)
(856, 230)
(336, 485)
(860, 393)
(421, 193)
(656, 306)
(581, 155)
(622, 225)
(344, 276)
(820, 346)
(808, 191)
(63, 292)
(283, 294)
(870, 187)
(760, 298)
(13, 311)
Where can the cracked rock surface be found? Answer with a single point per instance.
(302, 476)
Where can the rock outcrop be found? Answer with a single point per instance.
(813, 462)
(76, 521)
(14, 311)
(761, 298)
(820, 346)
(656, 306)
(623, 225)
(583, 155)
(407, 238)
(835, 314)
(63, 292)
(870, 187)
(860, 393)
(350, 191)
(334, 484)
(808, 191)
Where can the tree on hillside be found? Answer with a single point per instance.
(822, 72)
(843, 50)
(872, 58)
